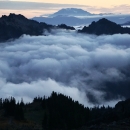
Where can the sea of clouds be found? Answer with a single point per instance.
(91, 69)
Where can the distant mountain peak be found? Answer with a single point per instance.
(71, 12)
(105, 21)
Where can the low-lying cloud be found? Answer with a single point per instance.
(91, 69)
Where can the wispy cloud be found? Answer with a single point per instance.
(18, 5)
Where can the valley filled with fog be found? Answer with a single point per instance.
(91, 69)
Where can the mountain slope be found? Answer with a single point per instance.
(71, 12)
(104, 26)
(60, 112)
(77, 21)
(13, 26)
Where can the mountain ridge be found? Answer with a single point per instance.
(14, 26)
(71, 12)
(74, 12)
(104, 26)
(78, 21)
(78, 17)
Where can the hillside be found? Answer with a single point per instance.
(61, 112)
(104, 26)
(13, 26)
(71, 12)
(78, 17)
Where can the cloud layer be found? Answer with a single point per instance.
(90, 69)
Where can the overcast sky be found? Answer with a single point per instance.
(33, 8)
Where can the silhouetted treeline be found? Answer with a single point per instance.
(11, 108)
(61, 112)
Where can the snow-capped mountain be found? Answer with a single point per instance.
(71, 12)
(74, 21)
(79, 17)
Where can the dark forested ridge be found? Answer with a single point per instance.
(60, 112)
(104, 26)
(13, 26)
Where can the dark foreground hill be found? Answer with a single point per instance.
(59, 112)
(13, 26)
(104, 26)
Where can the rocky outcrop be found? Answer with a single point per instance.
(104, 26)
